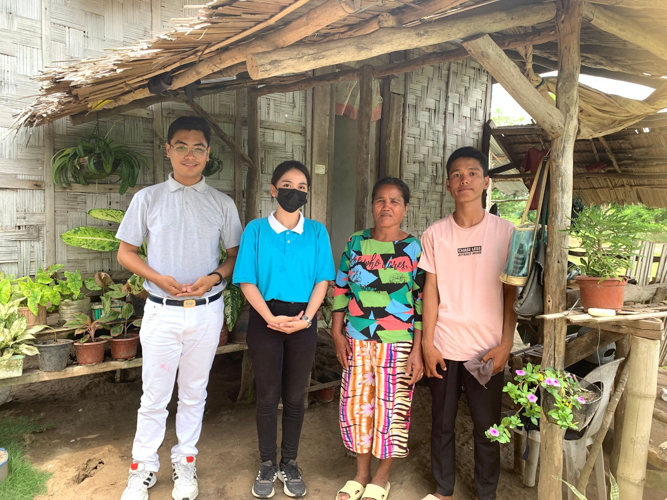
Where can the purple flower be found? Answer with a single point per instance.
(520, 373)
(556, 383)
(550, 381)
(532, 398)
(494, 432)
(581, 400)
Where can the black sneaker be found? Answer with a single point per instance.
(263, 487)
(290, 475)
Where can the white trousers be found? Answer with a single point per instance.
(175, 340)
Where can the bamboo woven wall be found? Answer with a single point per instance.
(84, 28)
(446, 109)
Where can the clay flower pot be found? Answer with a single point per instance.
(124, 347)
(224, 335)
(325, 395)
(605, 294)
(90, 353)
(33, 320)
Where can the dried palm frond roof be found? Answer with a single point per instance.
(628, 166)
(212, 48)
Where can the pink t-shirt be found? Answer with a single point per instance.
(468, 263)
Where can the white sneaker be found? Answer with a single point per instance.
(185, 479)
(138, 483)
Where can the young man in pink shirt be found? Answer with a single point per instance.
(467, 313)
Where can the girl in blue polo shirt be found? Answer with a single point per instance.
(283, 267)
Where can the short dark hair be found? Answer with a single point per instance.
(189, 123)
(392, 181)
(469, 152)
(285, 167)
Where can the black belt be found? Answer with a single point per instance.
(185, 303)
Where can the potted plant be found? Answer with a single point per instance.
(53, 354)
(89, 350)
(73, 300)
(123, 343)
(213, 165)
(609, 239)
(568, 402)
(14, 340)
(39, 294)
(234, 304)
(94, 158)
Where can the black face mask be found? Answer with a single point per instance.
(291, 200)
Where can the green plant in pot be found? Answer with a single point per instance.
(72, 298)
(609, 237)
(124, 343)
(95, 158)
(15, 340)
(38, 295)
(567, 401)
(89, 349)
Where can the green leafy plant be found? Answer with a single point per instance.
(120, 329)
(614, 493)
(234, 301)
(85, 326)
(71, 286)
(94, 158)
(213, 165)
(14, 332)
(33, 293)
(609, 237)
(564, 388)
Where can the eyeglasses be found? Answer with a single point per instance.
(182, 151)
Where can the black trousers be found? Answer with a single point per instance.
(282, 364)
(485, 410)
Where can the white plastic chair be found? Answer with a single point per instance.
(575, 450)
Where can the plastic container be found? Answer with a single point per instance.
(68, 308)
(53, 356)
(12, 367)
(96, 310)
(124, 347)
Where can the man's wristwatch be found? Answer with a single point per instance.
(219, 276)
(307, 320)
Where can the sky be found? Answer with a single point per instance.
(501, 99)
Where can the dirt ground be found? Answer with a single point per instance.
(89, 449)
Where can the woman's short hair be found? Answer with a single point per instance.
(393, 181)
(285, 167)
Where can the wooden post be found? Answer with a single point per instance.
(390, 131)
(319, 193)
(363, 147)
(622, 351)
(254, 179)
(49, 187)
(238, 139)
(568, 27)
(158, 144)
(643, 378)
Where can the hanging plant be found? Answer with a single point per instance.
(94, 158)
(213, 165)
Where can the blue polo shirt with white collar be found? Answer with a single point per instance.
(285, 264)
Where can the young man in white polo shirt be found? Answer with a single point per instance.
(184, 222)
(467, 313)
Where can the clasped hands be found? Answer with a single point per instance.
(196, 289)
(287, 324)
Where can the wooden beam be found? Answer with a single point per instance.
(493, 59)
(590, 175)
(11, 182)
(363, 148)
(253, 186)
(568, 27)
(390, 132)
(314, 20)
(319, 200)
(626, 29)
(159, 141)
(236, 149)
(50, 236)
(633, 4)
(238, 139)
(305, 57)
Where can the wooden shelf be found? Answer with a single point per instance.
(34, 375)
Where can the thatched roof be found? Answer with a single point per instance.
(632, 170)
(215, 45)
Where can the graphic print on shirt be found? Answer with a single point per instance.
(379, 286)
(466, 251)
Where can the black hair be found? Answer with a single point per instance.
(393, 181)
(285, 167)
(189, 123)
(469, 152)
